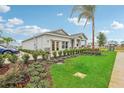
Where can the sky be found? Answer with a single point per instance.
(24, 21)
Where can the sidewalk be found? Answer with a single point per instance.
(117, 78)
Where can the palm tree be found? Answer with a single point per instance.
(7, 40)
(86, 11)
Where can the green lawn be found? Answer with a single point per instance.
(97, 68)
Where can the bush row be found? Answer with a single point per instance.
(67, 52)
(36, 53)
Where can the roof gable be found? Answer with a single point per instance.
(82, 35)
(59, 32)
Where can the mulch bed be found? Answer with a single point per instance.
(4, 69)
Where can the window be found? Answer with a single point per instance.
(57, 45)
(53, 45)
(66, 46)
(63, 46)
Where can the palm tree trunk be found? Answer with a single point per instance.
(93, 30)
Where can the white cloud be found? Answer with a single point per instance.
(105, 31)
(74, 21)
(60, 14)
(19, 41)
(9, 30)
(4, 8)
(1, 26)
(14, 21)
(117, 25)
(1, 19)
(28, 30)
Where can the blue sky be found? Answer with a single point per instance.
(22, 22)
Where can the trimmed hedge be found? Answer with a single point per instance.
(66, 52)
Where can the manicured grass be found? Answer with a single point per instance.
(97, 68)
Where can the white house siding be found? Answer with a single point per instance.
(47, 39)
(40, 42)
(45, 42)
(33, 44)
(29, 44)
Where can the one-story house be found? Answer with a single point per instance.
(55, 40)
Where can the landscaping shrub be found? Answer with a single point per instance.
(35, 55)
(60, 53)
(37, 75)
(76, 51)
(64, 52)
(12, 58)
(44, 55)
(41, 84)
(25, 58)
(54, 54)
(71, 52)
(2, 59)
(68, 52)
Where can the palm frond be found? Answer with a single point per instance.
(80, 16)
(76, 8)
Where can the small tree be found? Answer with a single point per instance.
(54, 54)
(7, 40)
(12, 58)
(35, 55)
(60, 53)
(44, 55)
(25, 58)
(101, 39)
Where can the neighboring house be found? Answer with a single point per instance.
(55, 40)
(122, 43)
(112, 43)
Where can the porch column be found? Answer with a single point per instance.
(75, 43)
(60, 45)
(80, 43)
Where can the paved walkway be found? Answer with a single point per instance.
(117, 78)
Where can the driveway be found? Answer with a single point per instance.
(117, 78)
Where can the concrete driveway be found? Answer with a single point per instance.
(117, 78)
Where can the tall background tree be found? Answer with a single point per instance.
(88, 12)
(101, 39)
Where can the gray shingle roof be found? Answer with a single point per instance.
(77, 34)
(57, 32)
